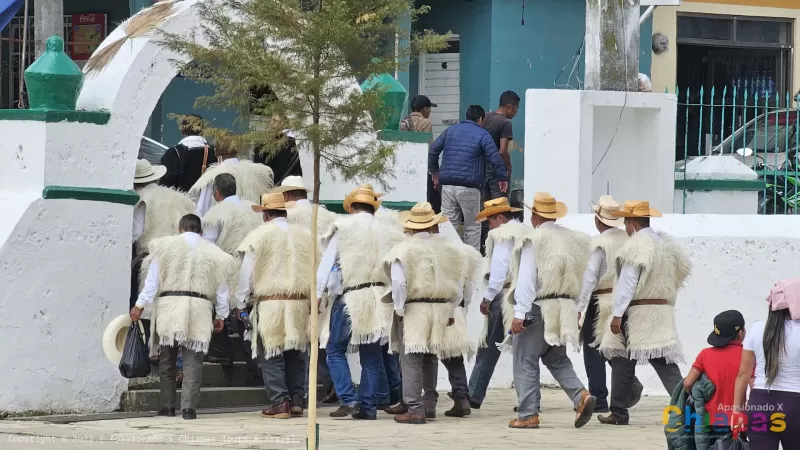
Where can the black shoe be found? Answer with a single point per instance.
(167, 412)
(331, 397)
(474, 405)
(611, 419)
(346, 410)
(362, 416)
(636, 394)
(189, 414)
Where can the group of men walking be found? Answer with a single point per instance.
(400, 284)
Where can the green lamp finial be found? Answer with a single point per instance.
(53, 80)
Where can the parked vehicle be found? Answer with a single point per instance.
(151, 150)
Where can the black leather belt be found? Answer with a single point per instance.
(183, 294)
(362, 286)
(428, 300)
(554, 296)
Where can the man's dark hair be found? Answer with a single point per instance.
(275, 213)
(507, 214)
(192, 125)
(643, 222)
(475, 113)
(261, 95)
(190, 223)
(363, 207)
(420, 102)
(225, 183)
(509, 98)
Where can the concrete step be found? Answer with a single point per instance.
(214, 375)
(210, 397)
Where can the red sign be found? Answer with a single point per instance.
(88, 31)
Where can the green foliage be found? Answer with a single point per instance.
(294, 64)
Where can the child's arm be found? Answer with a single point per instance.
(690, 379)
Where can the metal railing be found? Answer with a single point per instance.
(758, 126)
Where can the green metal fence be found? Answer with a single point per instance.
(758, 126)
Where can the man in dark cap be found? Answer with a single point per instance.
(419, 119)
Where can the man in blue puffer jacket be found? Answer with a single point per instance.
(465, 149)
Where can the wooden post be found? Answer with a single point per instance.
(612, 45)
(48, 20)
(313, 360)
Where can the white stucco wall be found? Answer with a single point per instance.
(409, 183)
(716, 202)
(583, 144)
(66, 275)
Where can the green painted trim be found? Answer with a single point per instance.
(720, 185)
(95, 117)
(337, 206)
(405, 136)
(90, 194)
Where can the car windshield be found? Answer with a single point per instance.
(779, 133)
(151, 150)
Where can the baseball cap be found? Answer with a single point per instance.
(422, 101)
(727, 325)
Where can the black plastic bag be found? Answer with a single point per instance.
(135, 360)
(728, 442)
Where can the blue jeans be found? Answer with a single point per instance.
(389, 382)
(371, 363)
(487, 357)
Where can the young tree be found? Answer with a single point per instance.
(308, 55)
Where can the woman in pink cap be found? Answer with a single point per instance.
(772, 348)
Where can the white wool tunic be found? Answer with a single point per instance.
(164, 208)
(252, 180)
(233, 222)
(663, 267)
(434, 285)
(281, 267)
(300, 211)
(183, 320)
(609, 242)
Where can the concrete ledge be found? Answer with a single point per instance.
(90, 194)
(405, 136)
(210, 397)
(720, 185)
(95, 117)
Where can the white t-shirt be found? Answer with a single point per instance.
(788, 378)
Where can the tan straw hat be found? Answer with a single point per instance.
(270, 202)
(495, 206)
(545, 205)
(290, 183)
(362, 194)
(604, 208)
(420, 217)
(145, 172)
(637, 208)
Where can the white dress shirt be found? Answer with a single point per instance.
(326, 265)
(210, 232)
(151, 287)
(628, 280)
(244, 286)
(597, 269)
(206, 198)
(498, 270)
(139, 212)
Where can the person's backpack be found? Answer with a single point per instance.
(407, 124)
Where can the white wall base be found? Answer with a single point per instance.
(626, 139)
(716, 202)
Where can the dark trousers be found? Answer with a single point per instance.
(434, 196)
(761, 424)
(487, 357)
(371, 363)
(457, 375)
(192, 377)
(284, 375)
(136, 266)
(623, 378)
(594, 361)
(390, 384)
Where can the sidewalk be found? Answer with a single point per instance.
(486, 428)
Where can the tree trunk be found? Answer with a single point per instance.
(314, 357)
(612, 45)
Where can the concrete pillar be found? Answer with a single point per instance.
(717, 185)
(612, 45)
(48, 20)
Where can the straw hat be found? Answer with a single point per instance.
(545, 205)
(604, 208)
(290, 183)
(362, 194)
(637, 208)
(495, 206)
(145, 172)
(271, 202)
(420, 217)
(114, 337)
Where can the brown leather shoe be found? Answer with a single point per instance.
(585, 409)
(611, 419)
(296, 406)
(530, 422)
(282, 411)
(460, 409)
(409, 418)
(397, 408)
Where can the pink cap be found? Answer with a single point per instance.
(786, 295)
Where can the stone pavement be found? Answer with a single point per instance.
(484, 429)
